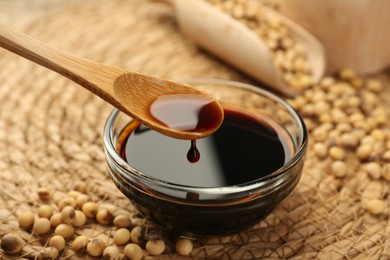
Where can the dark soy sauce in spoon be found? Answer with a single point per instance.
(192, 113)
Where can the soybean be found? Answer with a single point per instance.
(184, 246)
(26, 219)
(96, 247)
(11, 243)
(42, 226)
(133, 251)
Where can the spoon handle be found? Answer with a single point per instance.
(80, 70)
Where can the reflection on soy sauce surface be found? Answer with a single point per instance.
(243, 149)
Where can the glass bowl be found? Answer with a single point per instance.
(216, 210)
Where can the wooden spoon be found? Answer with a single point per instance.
(133, 93)
(235, 43)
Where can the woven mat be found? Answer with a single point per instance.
(51, 136)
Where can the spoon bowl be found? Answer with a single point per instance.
(130, 92)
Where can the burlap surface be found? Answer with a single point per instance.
(51, 136)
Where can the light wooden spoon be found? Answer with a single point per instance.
(131, 92)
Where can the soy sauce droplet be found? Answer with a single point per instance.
(193, 154)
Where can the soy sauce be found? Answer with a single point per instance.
(188, 112)
(193, 154)
(243, 149)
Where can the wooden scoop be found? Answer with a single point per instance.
(134, 94)
(235, 43)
